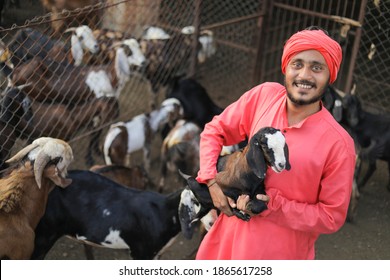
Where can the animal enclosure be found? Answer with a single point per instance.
(248, 37)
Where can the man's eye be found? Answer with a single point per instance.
(317, 68)
(297, 65)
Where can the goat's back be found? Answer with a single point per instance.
(93, 206)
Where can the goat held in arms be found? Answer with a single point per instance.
(243, 172)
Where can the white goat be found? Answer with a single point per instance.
(124, 138)
(24, 188)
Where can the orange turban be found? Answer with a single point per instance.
(314, 40)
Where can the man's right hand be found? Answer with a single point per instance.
(220, 201)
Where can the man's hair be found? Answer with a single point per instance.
(315, 27)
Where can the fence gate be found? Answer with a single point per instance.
(361, 27)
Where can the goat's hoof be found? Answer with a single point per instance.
(241, 215)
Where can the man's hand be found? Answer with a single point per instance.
(242, 201)
(220, 201)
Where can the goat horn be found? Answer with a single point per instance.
(40, 163)
(70, 29)
(22, 153)
(116, 44)
(185, 176)
(341, 93)
(23, 86)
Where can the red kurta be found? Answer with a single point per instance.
(309, 199)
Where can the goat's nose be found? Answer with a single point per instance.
(281, 165)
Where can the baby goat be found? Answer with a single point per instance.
(100, 212)
(243, 172)
(24, 187)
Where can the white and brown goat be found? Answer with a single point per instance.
(24, 188)
(243, 172)
(124, 138)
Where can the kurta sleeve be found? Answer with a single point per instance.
(229, 128)
(329, 213)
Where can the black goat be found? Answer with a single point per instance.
(96, 210)
(372, 132)
(197, 105)
(15, 121)
(243, 172)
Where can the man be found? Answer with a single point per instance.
(310, 199)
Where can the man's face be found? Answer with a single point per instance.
(307, 76)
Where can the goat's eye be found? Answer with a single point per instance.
(256, 143)
(81, 37)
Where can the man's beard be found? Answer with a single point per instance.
(305, 102)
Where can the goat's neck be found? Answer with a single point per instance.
(157, 117)
(32, 204)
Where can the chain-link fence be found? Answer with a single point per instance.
(373, 59)
(248, 37)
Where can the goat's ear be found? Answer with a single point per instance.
(122, 67)
(54, 175)
(77, 50)
(286, 153)
(256, 160)
(337, 111)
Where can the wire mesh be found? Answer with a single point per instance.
(242, 58)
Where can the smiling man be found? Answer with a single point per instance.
(312, 197)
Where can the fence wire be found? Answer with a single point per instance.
(248, 35)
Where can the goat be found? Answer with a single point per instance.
(107, 39)
(58, 120)
(28, 43)
(24, 187)
(198, 107)
(101, 212)
(134, 177)
(59, 21)
(124, 138)
(48, 81)
(372, 132)
(61, 121)
(180, 150)
(167, 55)
(208, 45)
(15, 121)
(243, 172)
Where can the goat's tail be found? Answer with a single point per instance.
(112, 133)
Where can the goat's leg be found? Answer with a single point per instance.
(127, 160)
(146, 150)
(371, 169)
(163, 175)
(241, 215)
(93, 146)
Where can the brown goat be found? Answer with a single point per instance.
(24, 188)
(243, 172)
(61, 121)
(134, 177)
(46, 80)
(60, 22)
